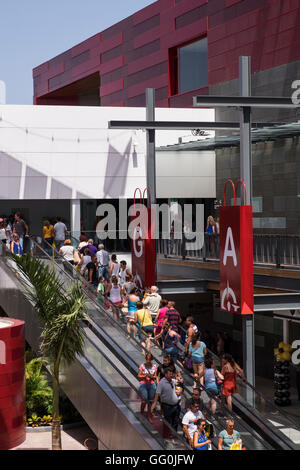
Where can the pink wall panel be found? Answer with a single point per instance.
(40, 69)
(111, 87)
(156, 82)
(185, 34)
(148, 12)
(86, 45)
(55, 69)
(148, 61)
(93, 63)
(228, 3)
(184, 7)
(148, 36)
(111, 43)
(112, 65)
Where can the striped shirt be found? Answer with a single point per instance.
(173, 317)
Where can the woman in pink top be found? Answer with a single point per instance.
(159, 319)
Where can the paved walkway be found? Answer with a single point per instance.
(72, 439)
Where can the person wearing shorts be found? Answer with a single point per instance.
(142, 318)
(197, 351)
(210, 376)
(147, 376)
(132, 301)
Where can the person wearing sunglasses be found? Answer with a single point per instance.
(200, 440)
(189, 421)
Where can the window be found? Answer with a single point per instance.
(189, 67)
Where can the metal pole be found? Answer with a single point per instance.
(151, 172)
(151, 167)
(246, 175)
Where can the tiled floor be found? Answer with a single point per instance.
(72, 439)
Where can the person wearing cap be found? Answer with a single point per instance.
(152, 301)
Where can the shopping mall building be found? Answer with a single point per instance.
(185, 48)
(181, 48)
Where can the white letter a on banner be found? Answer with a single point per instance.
(229, 250)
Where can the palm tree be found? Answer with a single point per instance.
(60, 311)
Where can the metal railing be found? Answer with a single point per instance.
(274, 250)
(268, 249)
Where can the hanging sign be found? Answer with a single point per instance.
(143, 244)
(236, 256)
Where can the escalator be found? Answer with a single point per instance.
(102, 388)
(131, 354)
(260, 422)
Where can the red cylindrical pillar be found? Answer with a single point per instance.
(12, 383)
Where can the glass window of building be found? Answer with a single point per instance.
(192, 66)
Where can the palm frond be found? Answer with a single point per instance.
(43, 287)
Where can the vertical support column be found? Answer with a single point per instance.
(75, 218)
(151, 167)
(286, 332)
(246, 175)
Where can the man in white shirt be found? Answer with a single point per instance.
(60, 232)
(103, 262)
(189, 422)
(124, 271)
(152, 301)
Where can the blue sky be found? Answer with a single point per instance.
(33, 31)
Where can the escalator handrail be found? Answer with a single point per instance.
(124, 377)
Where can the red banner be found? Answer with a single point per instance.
(143, 247)
(236, 259)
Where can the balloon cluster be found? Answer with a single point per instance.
(282, 374)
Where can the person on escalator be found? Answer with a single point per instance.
(195, 398)
(167, 362)
(229, 437)
(143, 319)
(169, 400)
(147, 376)
(197, 351)
(189, 421)
(211, 377)
(84, 260)
(15, 246)
(48, 236)
(230, 370)
(169, 340)
(114, 291)
(60, 233)
(91, 268)
(200, 440)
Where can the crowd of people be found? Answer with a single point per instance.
(156, 322)
(13, 232)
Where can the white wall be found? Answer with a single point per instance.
(60, 152)
(183, 174)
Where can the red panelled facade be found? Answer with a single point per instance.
(120, 62)
(12, 383)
